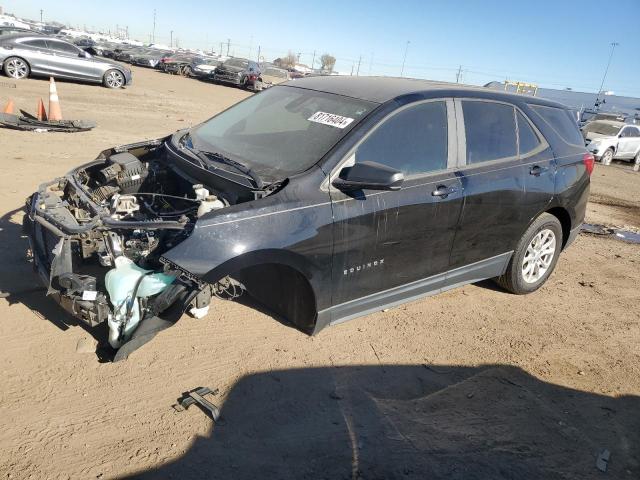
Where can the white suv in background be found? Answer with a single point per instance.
(608, 139)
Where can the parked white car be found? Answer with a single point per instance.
(608, 139)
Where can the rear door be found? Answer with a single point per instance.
(386, 243)
(38, 55)
(507, 180)
(628, 142)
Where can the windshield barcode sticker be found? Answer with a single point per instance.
(330, 119)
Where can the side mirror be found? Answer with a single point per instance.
(368, 175)
(84, 55)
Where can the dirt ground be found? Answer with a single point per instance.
(475, 383)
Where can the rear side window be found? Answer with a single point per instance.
(490, 130)
(63, 47)
(529, 141)
(412, 141)
(562, 123)
(36, 43)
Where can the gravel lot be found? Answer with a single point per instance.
(473, 383)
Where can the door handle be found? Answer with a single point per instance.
(443, 191)
(537, 170)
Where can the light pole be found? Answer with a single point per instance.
(404, 59)
(40, 15)
(171, 39)
(606, 70)
(154, 26)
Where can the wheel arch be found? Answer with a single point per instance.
(279, 280)
(17, 56)
(564, 218)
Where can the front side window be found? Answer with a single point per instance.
(413, 141)
(630, 132)
(490, 130)
(281, 131)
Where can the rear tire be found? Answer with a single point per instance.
(113, 79)
(535, 256)
(16, 68)
(607, 156)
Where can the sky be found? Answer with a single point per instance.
(553, 43)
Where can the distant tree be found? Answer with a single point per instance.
(328, 62)
(288, 61)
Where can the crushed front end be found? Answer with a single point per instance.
(97, 236)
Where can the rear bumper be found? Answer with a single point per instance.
(227, 79)
(573, 234)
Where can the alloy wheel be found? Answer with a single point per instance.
(114, 79)
(607, 157)
(539, 256)
(17, 68)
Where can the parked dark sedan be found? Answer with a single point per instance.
(326, 198)
(39, 55)
(239, 72)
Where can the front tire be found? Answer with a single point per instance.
(607, 156)
(16, 68)
(535, 256)
(113, 79)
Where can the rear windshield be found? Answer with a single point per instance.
(275, 72)
(281, 131)
(561, 121)
(601, 128)
(236, 62)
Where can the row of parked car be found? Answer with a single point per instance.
(24, 53)
(240, 72)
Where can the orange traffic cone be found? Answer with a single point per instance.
(55, 113)
(9, 107)
(41, 112)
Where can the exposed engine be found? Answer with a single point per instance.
(103, 229)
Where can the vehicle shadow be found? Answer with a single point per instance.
(19, 283)
(411, 421)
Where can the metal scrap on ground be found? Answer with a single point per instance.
(618, 233)
(28, 122)
(197, 396)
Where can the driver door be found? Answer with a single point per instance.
(390, 246)
(628, 142)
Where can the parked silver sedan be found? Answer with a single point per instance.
(23, 55)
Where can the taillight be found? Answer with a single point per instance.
(252, 77)
(589, 161)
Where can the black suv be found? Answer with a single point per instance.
(239, 72)
(326, 199)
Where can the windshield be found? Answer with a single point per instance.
(282, 130)
(602, 128)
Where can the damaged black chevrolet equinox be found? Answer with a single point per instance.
(325, 199)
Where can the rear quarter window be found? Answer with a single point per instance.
(561, 121)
